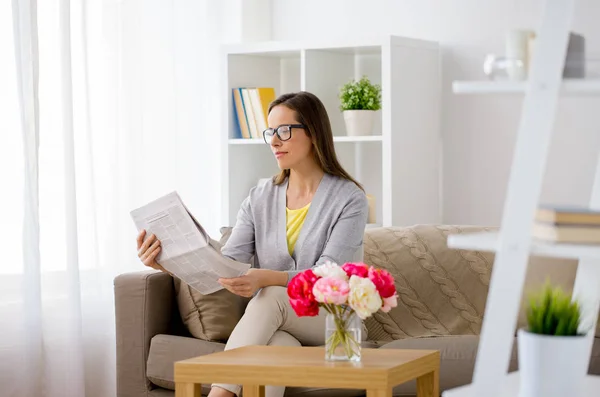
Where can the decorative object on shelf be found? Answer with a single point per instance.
(553, 357)
(349, 293)
(575, 60)
(372, 217)
(514, 65)
(359, 102)
(519, 47)
(496, 67)
(518, 50)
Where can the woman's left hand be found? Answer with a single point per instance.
(245, 285)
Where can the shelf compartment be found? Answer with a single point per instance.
(490, 241)
(569, 87)
(325, 72)
(280, 71)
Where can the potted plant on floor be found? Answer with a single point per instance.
(359, 102)
(553, 354)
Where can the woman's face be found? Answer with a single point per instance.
(298, 148)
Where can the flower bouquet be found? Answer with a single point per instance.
(350, 294)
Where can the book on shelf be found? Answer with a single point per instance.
(567, 224)
(250, 110)
(568, 215)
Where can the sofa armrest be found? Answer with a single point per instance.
(143, 309)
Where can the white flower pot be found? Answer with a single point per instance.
(551, 366)
(359, 122)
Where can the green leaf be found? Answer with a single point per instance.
(360, 95)
(553, 312)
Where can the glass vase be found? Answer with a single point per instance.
(343, 330)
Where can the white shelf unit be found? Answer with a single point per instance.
(513, 243)
(569, 87)
(509, 387)
(492, 241)
(399, 164)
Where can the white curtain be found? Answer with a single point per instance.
(104, 105)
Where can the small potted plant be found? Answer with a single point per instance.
(359, 102)
(553, 350)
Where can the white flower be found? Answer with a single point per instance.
(330, 269)
(363, 297)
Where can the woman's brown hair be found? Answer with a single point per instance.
(311, 112)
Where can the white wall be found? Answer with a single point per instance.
(478, 131)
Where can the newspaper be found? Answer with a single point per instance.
(187, 251)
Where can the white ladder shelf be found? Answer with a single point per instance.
(513, 244)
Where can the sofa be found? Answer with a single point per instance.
(442, 294)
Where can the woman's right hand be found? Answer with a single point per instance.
(148, 250)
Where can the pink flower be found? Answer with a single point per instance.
(331, 290)
(356, 269)
(389, 303)
(384, 282)
(300, 292)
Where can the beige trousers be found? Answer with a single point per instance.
(270, 320)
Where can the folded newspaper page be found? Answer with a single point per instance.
(187, 251)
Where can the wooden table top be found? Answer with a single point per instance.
(306, 366)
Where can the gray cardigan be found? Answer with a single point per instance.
(333, 229)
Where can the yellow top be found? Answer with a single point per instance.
(295, 220)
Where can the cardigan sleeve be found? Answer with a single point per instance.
(347, 233)
(241, 244)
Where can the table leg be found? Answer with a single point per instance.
(187, 389)
(428, 385)
(253, 391)
(385, 392)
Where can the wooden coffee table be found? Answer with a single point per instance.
(256, 366)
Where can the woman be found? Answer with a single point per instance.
(312, 212)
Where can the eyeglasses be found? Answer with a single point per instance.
(283, 132)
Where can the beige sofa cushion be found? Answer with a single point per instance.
(166, 349)
(209, 317)
(443, 291)
(457, 359)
